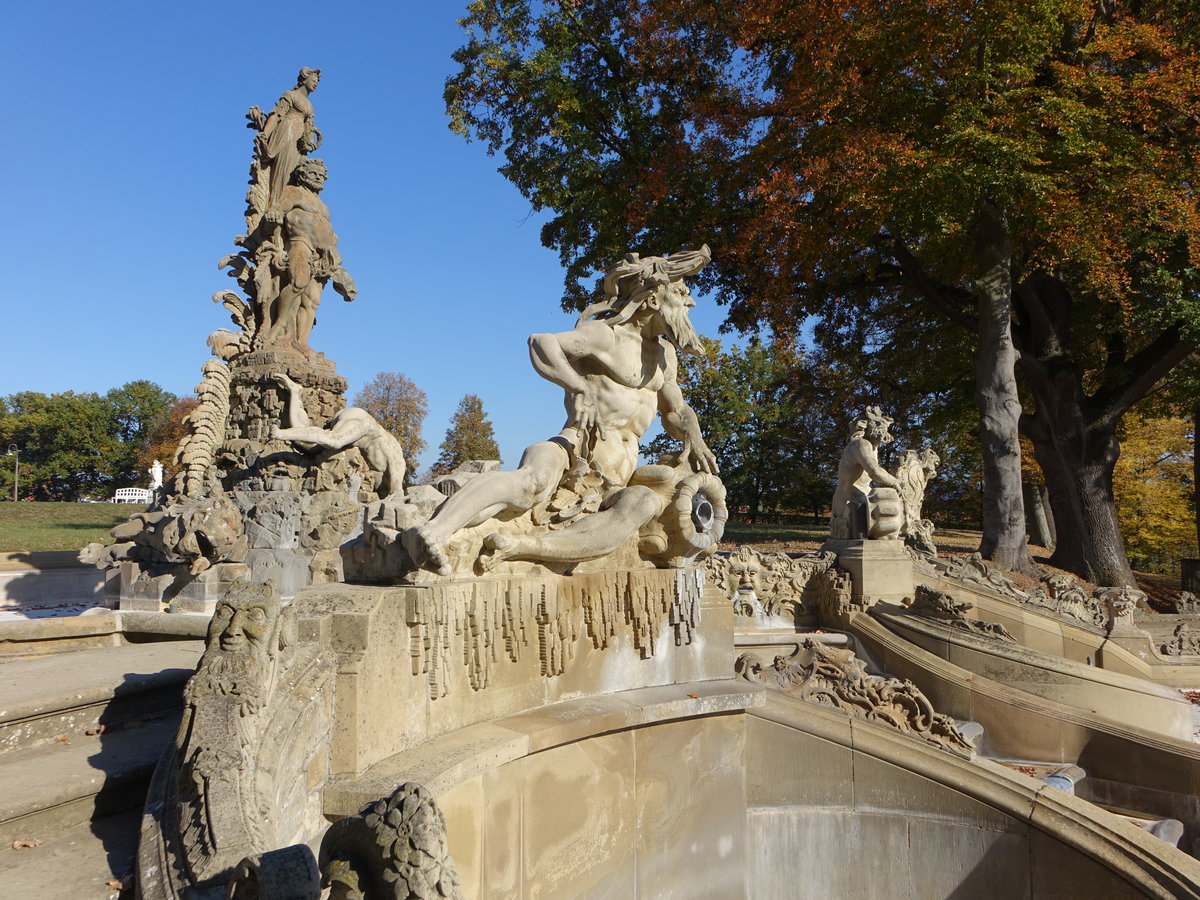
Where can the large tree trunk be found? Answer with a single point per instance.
(996, 397)
(1075, 434)
(1038, 518)
(1196, 464)
(1078, 463)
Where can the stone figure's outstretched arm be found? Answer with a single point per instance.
(294, 414)
(680, 422)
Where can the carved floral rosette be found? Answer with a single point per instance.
(829, 676)
(395, 848)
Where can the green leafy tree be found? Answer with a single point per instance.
(775, 448)
(397, 404)
(135, 409)
(1025, 171)
(470, 436)
(67, 443)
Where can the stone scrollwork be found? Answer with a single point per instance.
(942, 607)
(395, 848)
(1183, 642)
(830, 676)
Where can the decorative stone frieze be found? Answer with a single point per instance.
(771, 586)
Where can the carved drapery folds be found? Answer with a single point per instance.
(830, 676)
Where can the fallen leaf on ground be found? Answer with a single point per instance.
(63, 739)
(25, 845)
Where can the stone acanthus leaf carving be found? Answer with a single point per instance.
(1120, 602)
(973, 569)
(1183, 642)
(1058, 593)
(942, 607)
(395, 848)
(835, 677)
(770, 585)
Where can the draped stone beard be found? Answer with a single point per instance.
(680, 330)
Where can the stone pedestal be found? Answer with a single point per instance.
(880, 570)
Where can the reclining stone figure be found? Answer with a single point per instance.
(617, 367)
(352, 427)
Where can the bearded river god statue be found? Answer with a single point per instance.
(580, 499)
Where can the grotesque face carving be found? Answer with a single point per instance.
(244, 621)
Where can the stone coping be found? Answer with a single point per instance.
(1068, 668)
(1040, 728)
(53, 628)
(1153, 866)
(447, 761)
(41, 685)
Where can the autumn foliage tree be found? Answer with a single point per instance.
(470, 436)
(1024, 171)
(397, 404)
(162, 440)
(1154, 491)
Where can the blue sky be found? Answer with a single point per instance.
(127, 160)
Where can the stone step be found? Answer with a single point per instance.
(85, 861)
(43, 698)
(50, 789)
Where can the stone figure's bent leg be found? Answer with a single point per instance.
(591, 537)
(541, 469)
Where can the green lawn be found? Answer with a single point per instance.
(743, 533)
(58, 526)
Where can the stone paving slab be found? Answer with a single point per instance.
(31, 686)
(42, 786)
(75, 864)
